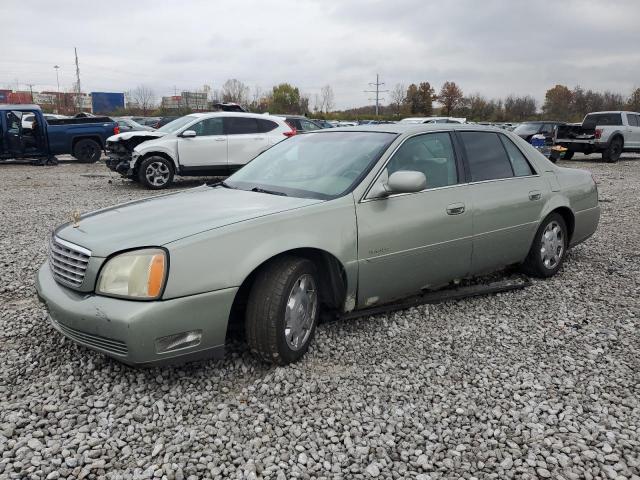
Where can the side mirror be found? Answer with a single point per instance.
(188, 134)
(402, 181)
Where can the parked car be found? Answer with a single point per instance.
(433, 120)
(215, 143)
(300, 123)
(527, 130)
(322, 123)
(84, 138)
(335, 220)
(129, 125)
(608, 133)
(27, 120)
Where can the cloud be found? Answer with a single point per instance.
(495, 47)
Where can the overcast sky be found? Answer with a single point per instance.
(495, 47)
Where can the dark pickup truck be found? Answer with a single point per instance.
(42, 139)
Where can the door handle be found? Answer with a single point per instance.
(534, 195)
(455, 209)
(220, 139)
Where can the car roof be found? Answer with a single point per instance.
(18, 106)
(233, 114)
(411, 128)
(614, 111)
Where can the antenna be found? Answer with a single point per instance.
(377, 91)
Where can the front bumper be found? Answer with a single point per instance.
(127, 329)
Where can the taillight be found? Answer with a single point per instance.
(116, 130)
(598, 133)
(290, 133)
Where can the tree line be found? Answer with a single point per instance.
(416, 99)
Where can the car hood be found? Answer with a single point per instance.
(137, 133)
(159, 220)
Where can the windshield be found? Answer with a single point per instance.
(313, 165)
(527, 128)
(177, 124)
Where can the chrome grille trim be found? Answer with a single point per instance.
(68, 262)
(113, 346)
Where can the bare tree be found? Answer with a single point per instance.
(398, 97)
(233, 90)
(144, 97)
(326, 99)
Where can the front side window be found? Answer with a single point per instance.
(519, 163)
(431, 154)
(240, 125)
(547, 128)
(486, 156)
(316, 165)
(632, 119)
(207, 127)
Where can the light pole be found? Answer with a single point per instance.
(58, 92)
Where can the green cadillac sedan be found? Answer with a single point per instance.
(339, 219)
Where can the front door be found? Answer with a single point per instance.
(246, 139)
(410, 242)
(207, 150)
(508, 196)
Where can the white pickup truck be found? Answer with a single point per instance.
(608, 133)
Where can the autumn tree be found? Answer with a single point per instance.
(450, 97)
(233, 90)
(285, 98)
(557, 103)
(633, 103)
(420, 98)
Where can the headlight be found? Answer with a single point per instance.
(138, 274)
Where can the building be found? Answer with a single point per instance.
(197, 101)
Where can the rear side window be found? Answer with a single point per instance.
(519, 163)
(633, 120)
(266, 125)
(308, 126)
(240, 125)
(486, 156)
(595, 119)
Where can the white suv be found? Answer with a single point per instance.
(197, 144)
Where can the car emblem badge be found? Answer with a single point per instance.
(75, 216)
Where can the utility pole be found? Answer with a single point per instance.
(79, 89)
(58, 91)
(31, 90)
(377, 91)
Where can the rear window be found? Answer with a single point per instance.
(595, 119)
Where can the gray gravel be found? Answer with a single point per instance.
(539, 383)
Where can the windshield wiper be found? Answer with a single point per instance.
(270, 192)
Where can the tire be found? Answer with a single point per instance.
(552, 236)
(282, 310)
(568, 155)
(156, 173)
(87, 151)
(613, 151)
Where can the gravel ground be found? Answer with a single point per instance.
(538, 383)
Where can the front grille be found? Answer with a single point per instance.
(68, 262)
(110, 345)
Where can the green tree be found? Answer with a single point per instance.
(419, 98)
(557, 103)
(450, 97)
(285, 99)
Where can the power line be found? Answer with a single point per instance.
(377, 91)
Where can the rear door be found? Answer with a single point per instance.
(632, 137)
(208, 149)
(246, 139)
(508, 196)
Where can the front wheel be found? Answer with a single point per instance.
(613, 151)
(155, 173)
(549, 248)
(282, 310)
(87, 151)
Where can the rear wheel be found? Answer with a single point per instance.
(282, 310)
(568, 155)
(155, 173)
(613, 151)
(549, 248)
(87, 151)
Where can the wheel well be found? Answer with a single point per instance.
(617, 135)
(568, 217)
(333, 281)
(96, 139)
(153, 154)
